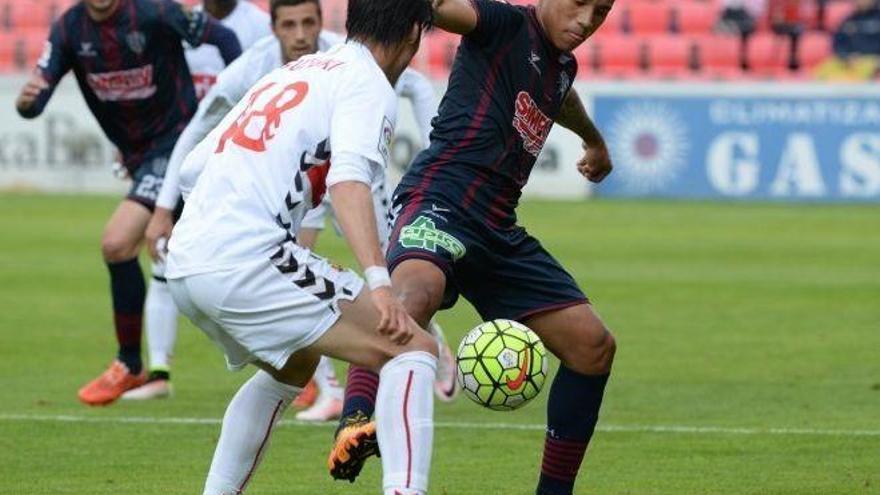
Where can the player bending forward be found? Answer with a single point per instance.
(297, 31)
(235, 270)
(456, 229)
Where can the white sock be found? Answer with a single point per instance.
(247, 426)
(325, 378)
(160, 314)
(405, 422)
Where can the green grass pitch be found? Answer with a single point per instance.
(749, 362)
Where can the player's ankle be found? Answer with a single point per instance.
(159, 374)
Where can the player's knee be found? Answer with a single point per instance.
(421, 301)
(116, 248)
(421, 342)
(424, 342)
(592, 353)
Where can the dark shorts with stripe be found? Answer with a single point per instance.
(146, 181)
(504, 274)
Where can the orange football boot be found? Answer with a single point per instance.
(111, 384)
(307, 397)
(355, 443)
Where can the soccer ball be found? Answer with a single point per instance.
(502, 365)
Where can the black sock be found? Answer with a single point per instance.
(572, 413)
(128, 291)
(159, 375)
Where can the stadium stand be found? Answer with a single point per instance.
(665, 39)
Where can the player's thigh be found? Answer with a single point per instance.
(429, 239)
(124, 231)
(354, 339)
(298, 370)
(577, 335)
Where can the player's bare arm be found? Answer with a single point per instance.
(353, 204)
(29, 94)
(596, 162)
(455, 16)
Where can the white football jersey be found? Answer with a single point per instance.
(268, 161)
(249, 23)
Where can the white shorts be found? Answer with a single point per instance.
(267, 310)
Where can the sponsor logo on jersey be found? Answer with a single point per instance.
(424, 234)
(531, 123)
(385, 139)
(123, 85)
(136, 41)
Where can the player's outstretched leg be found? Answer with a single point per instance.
(247, 427)
(161, 326)
(420, 286)
(586, 348)
(120, 245)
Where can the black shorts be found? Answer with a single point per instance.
(146, 181)
(504, 274)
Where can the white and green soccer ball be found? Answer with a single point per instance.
(502, 365)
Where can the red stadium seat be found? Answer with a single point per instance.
(768, 51)
(815, 48)
(587, 56)
(19, 53)
(837, 13)
(718, 53)
(668, 52)
(620, 54)
(613, 24)
(696, 17)
(263, 4)
(15, 15)
(441, 50)
(647, 16)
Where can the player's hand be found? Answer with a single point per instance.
(394, 321)
(158, 232)
(596, 163)
(31, 91)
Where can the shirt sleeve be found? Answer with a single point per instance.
(415, 86)
(196, 27)
(361, 129)
(53, 64)
(224, 39)
(193, 165)
(495, 20)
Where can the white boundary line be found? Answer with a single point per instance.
(672, 429)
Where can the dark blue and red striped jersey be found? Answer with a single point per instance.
(131, 70)
(506, 88)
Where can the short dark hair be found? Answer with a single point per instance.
(387, 22)
(274, 5)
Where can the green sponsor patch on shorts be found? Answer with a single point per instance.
(423, 233)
